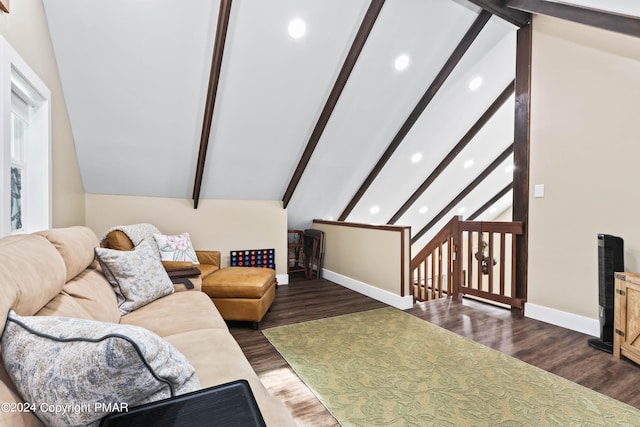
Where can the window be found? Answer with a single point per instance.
(25, 172)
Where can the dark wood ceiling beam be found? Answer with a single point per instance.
(496, 7)
(352, 57)
(214, 76)
(629, 25)
(464, 193)
(426, 99)
(464, 141)
(491, 201)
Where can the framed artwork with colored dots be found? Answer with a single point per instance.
(253, 258)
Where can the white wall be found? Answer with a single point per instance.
(585, 145)
(26, 29)
(222, 225)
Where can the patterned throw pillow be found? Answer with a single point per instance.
(75, 371)
(176, 248)
(137, 276)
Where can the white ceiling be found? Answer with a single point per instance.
(623, 7)
(135, 77)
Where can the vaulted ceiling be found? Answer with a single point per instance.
(324, 122)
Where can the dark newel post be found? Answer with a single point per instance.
(521, 156)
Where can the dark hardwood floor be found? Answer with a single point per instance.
(554, 349)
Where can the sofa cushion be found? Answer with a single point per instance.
(9, 395)
(137, 276)
(64, 305)
(75, 245)
(91, 290)
(32, 272)
(119, 241)
(228, 364)
(239, 282)
(175, 313)
(209, 257)
(176, 248)
(62, 361)
(207, 270)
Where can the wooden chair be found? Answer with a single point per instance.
(313, 249)
(296, 261)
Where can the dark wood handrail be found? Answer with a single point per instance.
(434, 243)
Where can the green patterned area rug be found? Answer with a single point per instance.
(388, 368)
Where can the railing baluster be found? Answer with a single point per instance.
(427, 276)
(440, 267)
(469, 259)
(433, 268)
(513, 268)
(446, 289)
(436, 273)
(479, 260)
(502, 261)
(490, 262)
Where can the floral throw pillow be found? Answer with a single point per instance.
(176, 248)
(137, 276)
(88, 366)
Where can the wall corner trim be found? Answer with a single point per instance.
(563, 319)
(283, 279)
(397, 301)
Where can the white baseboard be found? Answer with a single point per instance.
(566, 320)
(282, 279)
(401, 303)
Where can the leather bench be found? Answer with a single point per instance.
(242, 293)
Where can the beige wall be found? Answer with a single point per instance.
(368, 255)
(222, 225)
(26, 29)
(585, 146)
(505, 216)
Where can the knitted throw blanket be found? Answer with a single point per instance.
(137, 233)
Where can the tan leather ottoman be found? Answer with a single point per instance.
(241, 293)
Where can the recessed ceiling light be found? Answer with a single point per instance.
(468, 164)
(402, 62)
(475, 83)
(423, 209)
(297, 28)
(374, 210)
(416, 157)
(462, 210)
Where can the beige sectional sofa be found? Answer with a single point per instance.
(55, 273)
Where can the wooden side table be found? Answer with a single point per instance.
(626, 325)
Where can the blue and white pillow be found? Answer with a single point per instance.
(87, 366)
(137, 276)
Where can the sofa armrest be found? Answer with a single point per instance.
(177, 265)
(209, 257)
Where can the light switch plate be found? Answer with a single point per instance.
(538, 191)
